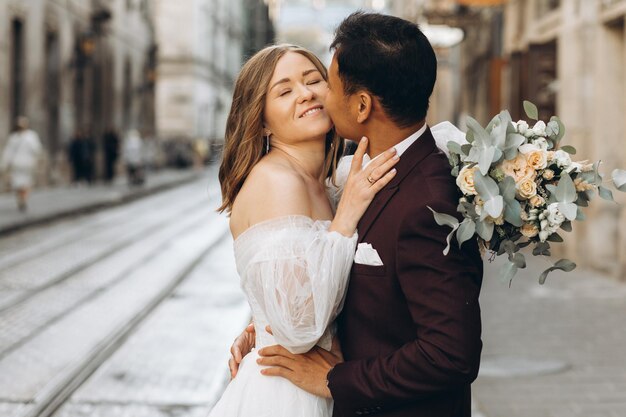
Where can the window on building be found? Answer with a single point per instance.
(17, 69)
(542, 81)
(546, 6)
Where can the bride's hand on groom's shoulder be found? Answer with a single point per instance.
(243, 344)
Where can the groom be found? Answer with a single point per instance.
(410, 328)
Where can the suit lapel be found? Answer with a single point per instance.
(415, 153)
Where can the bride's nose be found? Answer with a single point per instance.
(305, 94)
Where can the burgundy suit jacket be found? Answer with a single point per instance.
(410, 329)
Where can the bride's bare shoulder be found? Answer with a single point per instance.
(272, 189)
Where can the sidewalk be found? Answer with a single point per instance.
(557, 350)
(49, 204)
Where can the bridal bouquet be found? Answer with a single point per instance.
(520, 188)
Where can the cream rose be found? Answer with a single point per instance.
(465, 180)
(529, 230)
(526, 188)
(548, 174)
(518, 168)
(537, 159)
(536, 201)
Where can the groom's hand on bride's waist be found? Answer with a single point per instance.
(308, 371)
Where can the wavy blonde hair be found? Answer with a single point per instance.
(244, 142)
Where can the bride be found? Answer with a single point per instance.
(293, 255)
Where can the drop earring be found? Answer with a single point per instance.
(267, 141)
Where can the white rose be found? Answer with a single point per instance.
(562, 158)
(522, 127)
(543, 235)
(542, 143)
(539, 129)
(554, 216)
(465, 180)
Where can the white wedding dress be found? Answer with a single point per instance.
(294, 273)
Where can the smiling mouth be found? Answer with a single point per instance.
(311, 112)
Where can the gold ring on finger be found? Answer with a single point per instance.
(370, 179)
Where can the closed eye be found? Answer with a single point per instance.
(314, 82)
(283, 93)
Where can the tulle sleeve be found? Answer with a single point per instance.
(298, 275)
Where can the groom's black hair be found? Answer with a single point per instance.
(389, 57)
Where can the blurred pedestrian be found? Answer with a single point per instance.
(81, 153)
(20, 158)
(132, 152)
(89, 156)
(111, 153)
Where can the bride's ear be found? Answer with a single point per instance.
(364, 103)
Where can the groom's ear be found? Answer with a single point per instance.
(364, 103)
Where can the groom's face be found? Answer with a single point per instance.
(340, 107)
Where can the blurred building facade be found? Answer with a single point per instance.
(202, 45)
(569, 57)
(75, 64)
(566, 56)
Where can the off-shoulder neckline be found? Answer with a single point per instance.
(275, 220)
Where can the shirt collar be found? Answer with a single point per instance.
(401, 147)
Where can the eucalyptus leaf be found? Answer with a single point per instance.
(569, 149)
(605, 193)
(513, 212)
(561, 132)
(511, 145)
(443, 219)
(531, 110)
(619, 179)
(465, 231)
(455, 171)
(555, 237)
(485, 157)
(519, 260)
(563, 265)
(580, 216)
(567, 226)
(583, 200)
(569, 210)
(552, 128)
(508, 271)
(488, 190)
(522, 245)
(541, 249)
(454, 147)
(566, 190)
(468, 210)
(509, 247)
(466, 148)
(484, 230)
(481, 136)
(498, 128)
(507, 189)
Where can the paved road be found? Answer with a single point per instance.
(557, 350)
(128, 311)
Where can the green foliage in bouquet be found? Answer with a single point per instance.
(520, 188)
